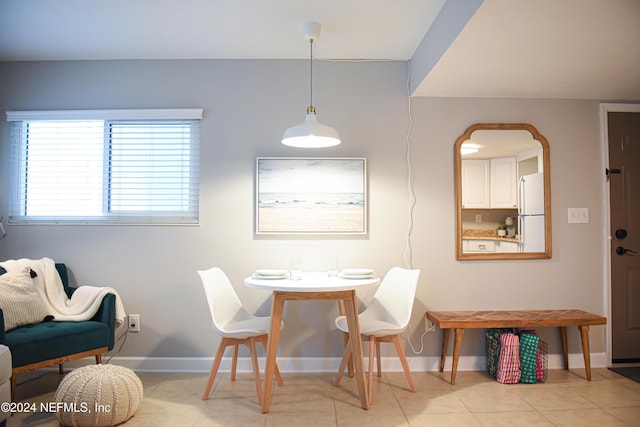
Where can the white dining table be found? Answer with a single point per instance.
(313, 286)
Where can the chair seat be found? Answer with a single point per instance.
(371, 327)
(242, 329)
(49, 340)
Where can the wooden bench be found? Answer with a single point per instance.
(461, 320)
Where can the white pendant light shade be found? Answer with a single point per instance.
(311, 134)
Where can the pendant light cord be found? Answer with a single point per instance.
(311, 108)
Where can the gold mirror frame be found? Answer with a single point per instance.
(460, 255)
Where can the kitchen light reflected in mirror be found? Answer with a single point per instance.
(503, 200)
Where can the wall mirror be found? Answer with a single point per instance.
(503, 199)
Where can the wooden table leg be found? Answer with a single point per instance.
(345, 339)
(565, 348)
(277, 307)
(445, 347)
(584, 337)
(351, 308)
(457, 343)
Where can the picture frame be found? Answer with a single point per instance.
(311, 195)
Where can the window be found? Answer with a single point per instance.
(105, 166)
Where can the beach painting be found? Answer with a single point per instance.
(311, 195)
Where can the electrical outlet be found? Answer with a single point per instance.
(428, 324)
(134, 323)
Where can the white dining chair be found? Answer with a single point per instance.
(384, 319)
(235, 325)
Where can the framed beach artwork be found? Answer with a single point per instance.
(311, 195)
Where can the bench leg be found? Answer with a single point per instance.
(445, 347)
(565, 348)
(586, 352)
(457, 343)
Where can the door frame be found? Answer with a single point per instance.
(606, 108)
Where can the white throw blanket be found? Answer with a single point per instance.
(83, 304)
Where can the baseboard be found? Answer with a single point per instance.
(320, 364)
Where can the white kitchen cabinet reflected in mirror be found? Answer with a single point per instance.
(503, 200)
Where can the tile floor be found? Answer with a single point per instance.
(566, 399)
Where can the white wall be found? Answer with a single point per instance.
(248, 104)
(573, 278)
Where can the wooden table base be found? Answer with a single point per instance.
(461, 320)
(351, 312)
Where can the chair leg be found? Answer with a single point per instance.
(264, 340)
(251, 342)
(60, 369)
(345, 358)
(214, 368)
(98, 359)
(234, 362)
(403, 360)
(379, 356)
(372, 346)
(14, 380)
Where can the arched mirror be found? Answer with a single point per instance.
(503, 199)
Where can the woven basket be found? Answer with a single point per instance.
(493, 348)
(533, 365)
(98, 396)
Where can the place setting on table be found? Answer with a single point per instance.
(347, 273)
(357, 273)
(295, 272)
(271, 274)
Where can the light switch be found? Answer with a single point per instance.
(578, 215)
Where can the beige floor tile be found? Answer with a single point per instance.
(174, 399)
(444, 420)
(570, 375)
(513, 419)
(430, 402)
(348, 414)
(551, 397)
(630, 416)
(425, 380)
(492, 398)
(307, 420)
(609, 394)
(39, 419)
(582, 418)
(301, 400)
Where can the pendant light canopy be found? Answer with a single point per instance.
(311, 133)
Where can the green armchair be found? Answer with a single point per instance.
(54, 343)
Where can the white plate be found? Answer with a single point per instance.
(357, 271)
(271, 272)
(357, 276)
(261, 277)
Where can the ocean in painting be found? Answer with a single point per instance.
(310, 200)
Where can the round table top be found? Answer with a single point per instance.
(310, 282)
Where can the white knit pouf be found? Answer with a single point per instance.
(98, 396)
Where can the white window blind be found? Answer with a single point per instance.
(105, 166)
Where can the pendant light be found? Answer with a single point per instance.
(311, 133)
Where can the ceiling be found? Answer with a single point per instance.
(577, 49)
